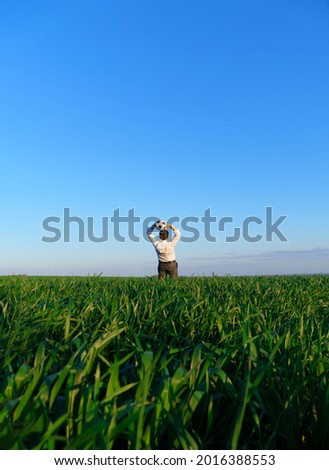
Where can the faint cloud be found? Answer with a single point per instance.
(312, 253)
(279, 262)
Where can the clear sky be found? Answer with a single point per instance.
(169, 108)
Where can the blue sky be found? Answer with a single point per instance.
(170, 108)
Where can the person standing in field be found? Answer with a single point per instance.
(165, 250)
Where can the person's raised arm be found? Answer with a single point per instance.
(149, 232)
(175, 230)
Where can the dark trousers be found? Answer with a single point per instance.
(167, 269)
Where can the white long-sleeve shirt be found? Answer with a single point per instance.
(165, 249)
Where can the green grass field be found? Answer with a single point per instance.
(192, 363)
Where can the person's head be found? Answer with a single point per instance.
(163, 234)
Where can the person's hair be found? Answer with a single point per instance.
(164, 234)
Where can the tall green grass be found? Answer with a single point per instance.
(192, 363)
